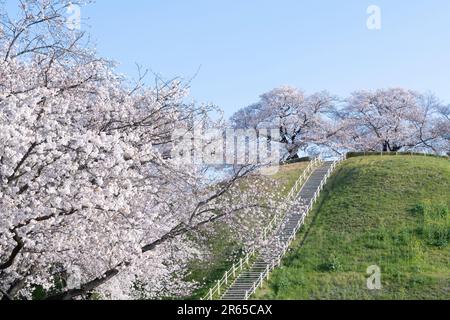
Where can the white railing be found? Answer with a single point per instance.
(229, 276)
(276, 262)
(292, 195)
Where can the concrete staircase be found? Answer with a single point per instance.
(247, 280)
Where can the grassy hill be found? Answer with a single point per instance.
(392, 212)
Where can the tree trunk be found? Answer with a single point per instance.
(292, 155)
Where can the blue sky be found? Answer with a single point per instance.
(247, 47)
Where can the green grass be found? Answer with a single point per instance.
(289, 174)
(392, 212)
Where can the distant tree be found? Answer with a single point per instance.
(393, 120)
(299, 118)
(388, 120)
(442, 127)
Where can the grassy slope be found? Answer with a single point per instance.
(365, 217)
(224, 249)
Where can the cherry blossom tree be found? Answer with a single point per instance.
(387, 120)
(393, 120)
(442, 128)
(89, 203)
(300, 118)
